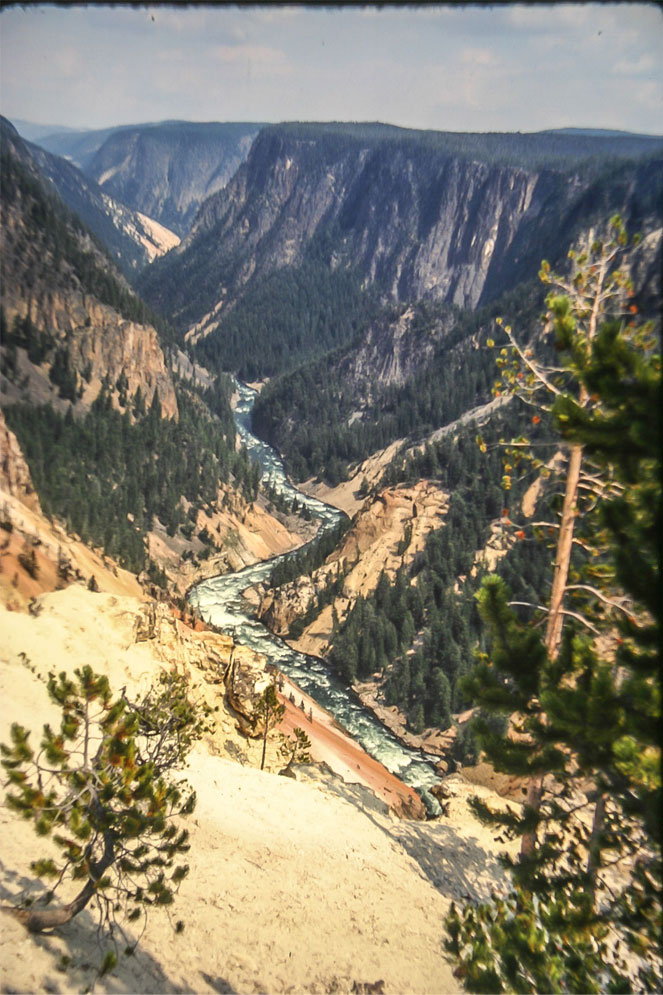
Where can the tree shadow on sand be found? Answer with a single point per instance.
(458, 866)
(81, 942)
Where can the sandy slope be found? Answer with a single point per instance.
(295, 886)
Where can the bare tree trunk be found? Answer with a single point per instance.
(555, 616)
(264, 741)
(563, 555)
(594, 859)
(37, 920)
(534, 795)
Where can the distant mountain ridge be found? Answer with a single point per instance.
(167, 170)
(132, 238)
(32, 132)
(602, 133)
(456, 217)
(162, 169)
(76, 145)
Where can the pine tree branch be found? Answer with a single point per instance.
(532, 367)
(601, 597)
(528, 604)
(580, 618)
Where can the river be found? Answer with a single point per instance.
(219, 601)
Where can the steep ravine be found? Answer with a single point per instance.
(219, 601)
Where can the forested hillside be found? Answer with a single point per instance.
(288, 316)
(418, 368)
(115, 446)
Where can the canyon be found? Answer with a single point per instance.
(355, 273)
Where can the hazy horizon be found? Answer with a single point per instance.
(47, 129)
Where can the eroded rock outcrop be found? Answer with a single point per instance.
(389, 530)
(100, 344)
(15, 476)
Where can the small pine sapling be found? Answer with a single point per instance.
(101, 788)
(267, 712)
(295, 749)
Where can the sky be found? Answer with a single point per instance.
(448, 67)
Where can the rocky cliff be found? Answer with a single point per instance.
(415, 218)
(166, 170)
(100, 344)
(64, 304)
(15, 477)
(132, 238)
(388, 531)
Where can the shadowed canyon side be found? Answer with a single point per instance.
(133, 239)
(415, 216)
(167, 170)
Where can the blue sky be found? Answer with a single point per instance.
(448, 67)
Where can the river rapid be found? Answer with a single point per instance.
(219, 601)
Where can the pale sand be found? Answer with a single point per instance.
(295, 886)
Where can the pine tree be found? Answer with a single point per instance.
(101, 788)
(586, 698)
(596, 288)
(268, 712)
(295, 748)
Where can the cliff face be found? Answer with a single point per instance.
(166, 170)
(415, 229)
(99, 342)
(15, 477)
(415, 221)
(392, 351)
(132, 238)
(388, 531)
(49, 264)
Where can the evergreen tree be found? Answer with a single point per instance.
(587, 700)
(268, 712)
(295, 749)
(108, 806)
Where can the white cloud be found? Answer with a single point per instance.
(635, 67)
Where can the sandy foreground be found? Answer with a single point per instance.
(307, 885)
